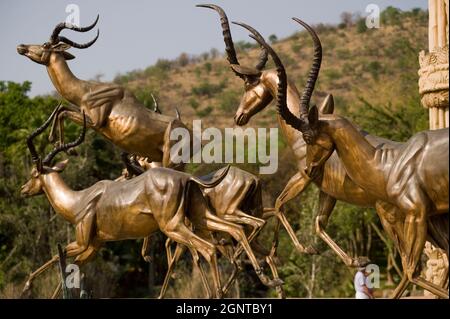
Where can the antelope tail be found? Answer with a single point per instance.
(213, 182)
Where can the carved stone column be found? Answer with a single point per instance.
(433, 73)
(433, 85)
(433, 89)
(436, 265)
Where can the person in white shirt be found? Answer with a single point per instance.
(361, 287)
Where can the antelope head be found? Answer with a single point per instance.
(319, 144)
(41, 53)
(257, 95)
(35, 184)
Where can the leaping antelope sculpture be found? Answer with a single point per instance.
(412, 178)
(261, 87)
(111, 110)
(159, 199)
(237, 198)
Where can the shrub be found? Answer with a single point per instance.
(208, 89)
(205, 112)
(332, 74)
(243, 46)
(229, 100)
(273, 38)
(374, 68)
(296, 47)
(193, 103)
(208, 67)
(183, 59)
(390, 16)
(361, 25)
(343, 53)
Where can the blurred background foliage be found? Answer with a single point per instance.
(364, 69)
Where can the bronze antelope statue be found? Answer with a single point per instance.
(260, 89)
(159, 199)
(237, 198)
(111, 110)
(412, 177)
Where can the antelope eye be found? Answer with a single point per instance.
(251, 84)
(46, 45)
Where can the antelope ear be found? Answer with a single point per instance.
(245, 71)
(68, 56)
(61, 47)
(313, 116)
(327, 106)
(59, 167)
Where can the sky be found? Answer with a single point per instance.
(135, 34)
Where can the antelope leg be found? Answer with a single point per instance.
(57, 119)
(72, 249)
(146, 249)
(273, 269)
(401, 287)
(171, 262)
(183, 235)
(79, 261)
(215, 223)
(326, 206)
(431, 287)
(294, 187)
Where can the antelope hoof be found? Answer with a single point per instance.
(277, 282)
(360, 262)
(148, 259)
(311, 250)
(280, 292)
(26, 289)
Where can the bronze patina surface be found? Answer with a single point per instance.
(411, 179)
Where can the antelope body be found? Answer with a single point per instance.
(238, 199)
(261, 87)
(111, 110)
(411, 179)
(159, 199)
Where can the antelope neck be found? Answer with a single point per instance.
(67, 84)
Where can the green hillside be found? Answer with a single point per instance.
(377, 65)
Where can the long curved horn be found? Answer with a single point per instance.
(229, 46)
(282, 108)
(314, 71)
(34, 155)
(77, 45)
(177, 113)
(264, 56)
(65, 147)
(64, 25)
(155, 104)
